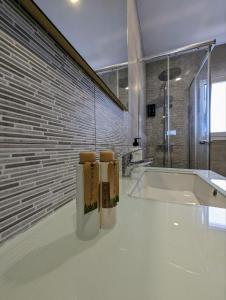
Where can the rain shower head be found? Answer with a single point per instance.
(174, 73)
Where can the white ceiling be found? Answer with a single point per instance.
(98, 28)
(170, 24)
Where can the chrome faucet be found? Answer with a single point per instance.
(128, 165)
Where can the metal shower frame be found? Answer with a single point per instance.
(182, 50)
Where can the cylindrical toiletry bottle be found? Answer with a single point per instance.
(109, 177)
(88, 196)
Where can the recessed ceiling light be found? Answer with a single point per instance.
(74, 1)
(178, 78)
(176, 224)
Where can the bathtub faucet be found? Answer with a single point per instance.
(128, 163)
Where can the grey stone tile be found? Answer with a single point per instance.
(50, 111)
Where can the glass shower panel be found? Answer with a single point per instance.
(193, 125)
(117, 81)
(157, 99)
(111, 79)
(183, 67)
(123, 86)
(203, 117)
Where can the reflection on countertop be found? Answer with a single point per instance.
(157, 250)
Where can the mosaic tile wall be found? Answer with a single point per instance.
(49, 112)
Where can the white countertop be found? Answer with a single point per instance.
(156, 251)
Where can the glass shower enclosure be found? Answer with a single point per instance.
(117, 80)
(178, 84)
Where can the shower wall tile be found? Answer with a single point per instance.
(50, 110)
(218, 156)
(218, 63)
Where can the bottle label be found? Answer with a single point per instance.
(106, 201)
(113, 178)
(91, 186)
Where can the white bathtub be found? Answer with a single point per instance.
(195, 187)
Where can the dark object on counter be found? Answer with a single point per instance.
(136, 142)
